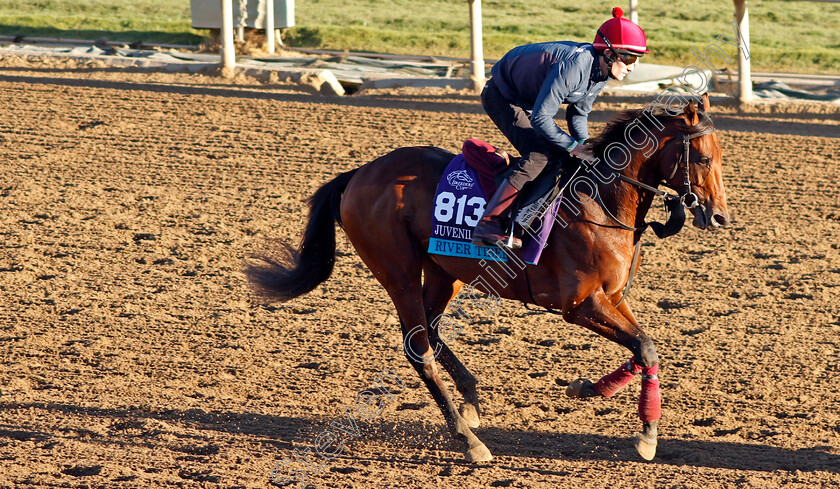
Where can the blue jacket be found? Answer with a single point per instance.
(541, 77)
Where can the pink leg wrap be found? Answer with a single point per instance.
(612, 383)
(649, 401)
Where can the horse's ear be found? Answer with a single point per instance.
(691, 114)
(705, 103)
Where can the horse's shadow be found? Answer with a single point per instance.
(693, 453)
(285, 433)
(583, 447)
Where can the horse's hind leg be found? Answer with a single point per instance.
(438, 290)
(401, 277)
(421, 356)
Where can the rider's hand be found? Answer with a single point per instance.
(583, 152)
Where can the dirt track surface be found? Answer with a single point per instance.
(132, 355)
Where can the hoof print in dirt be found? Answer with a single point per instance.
(502, 483)
(82, 471)
(144, 237)
(668, 304)
(90, 125)
(412, 406)
(198, 476)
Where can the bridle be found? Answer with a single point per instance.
(689, 199)
(674, 204)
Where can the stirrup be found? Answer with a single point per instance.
(510, 242)
(495, 234)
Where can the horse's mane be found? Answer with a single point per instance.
(615, 128)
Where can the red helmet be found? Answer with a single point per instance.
(623, 34)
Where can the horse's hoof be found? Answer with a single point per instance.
(645, 448)
(581, 388)
(470, 414)
(479, 453)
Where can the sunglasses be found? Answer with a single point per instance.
(627, 59)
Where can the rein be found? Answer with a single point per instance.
(675, 206)
(688, 199)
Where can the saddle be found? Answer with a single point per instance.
(493, 165)
(536, 196)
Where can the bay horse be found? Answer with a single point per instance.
(385, 209)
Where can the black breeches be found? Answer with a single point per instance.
(515, 124)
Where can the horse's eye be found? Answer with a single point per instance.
(705, 160)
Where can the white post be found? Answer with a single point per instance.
(269, 25)
(744, 75)
(240, 22)
(228, 54)
(476, 44)
(634, 17)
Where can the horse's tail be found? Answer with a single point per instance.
(294, 272)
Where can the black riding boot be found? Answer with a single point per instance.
(490, 228)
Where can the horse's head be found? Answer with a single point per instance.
(695, 149)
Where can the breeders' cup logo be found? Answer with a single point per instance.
(460, 180)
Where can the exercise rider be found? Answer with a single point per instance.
(538, 78)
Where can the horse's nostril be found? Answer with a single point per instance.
(721, 220)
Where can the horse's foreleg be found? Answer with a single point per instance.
(599, 315)
(650, 411)
(650, 402)
(608, 385)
